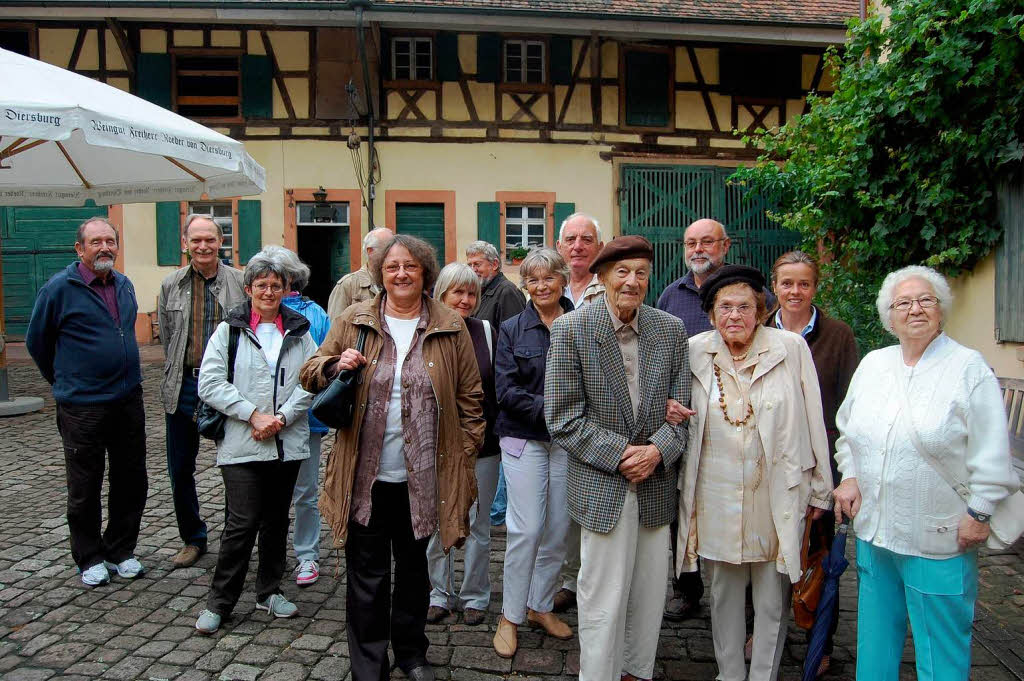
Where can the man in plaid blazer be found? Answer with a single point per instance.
(611, 369)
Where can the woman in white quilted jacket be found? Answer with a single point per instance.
(926, 401)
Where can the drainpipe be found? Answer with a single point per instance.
(371, 187)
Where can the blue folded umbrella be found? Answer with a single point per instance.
(834, 565)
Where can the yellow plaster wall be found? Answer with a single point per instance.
(89, 57)
(153, 40)
(467, 52)
(188, 38)
(577, 47)
(140, 254)
(114, 58)
(291, 49)
(972, 321)
(453, 103)
(610, 60)
(55, 45)
(707, 59)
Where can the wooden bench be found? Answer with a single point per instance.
(1013, 400)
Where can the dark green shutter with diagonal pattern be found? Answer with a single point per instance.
(249, 230)
(168, 233)
(660, 201)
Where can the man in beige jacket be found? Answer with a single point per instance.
(357, 286)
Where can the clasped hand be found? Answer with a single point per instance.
(639, 461)
(264, 426)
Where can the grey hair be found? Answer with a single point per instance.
(590, 218)
(456, 274)
(483, 248)
(263, 264)
(192, 217)
(371, 241)
(80, 235)
(298, 271)
(545, 259)
(938, 283)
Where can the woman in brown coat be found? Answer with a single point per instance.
(405, 467)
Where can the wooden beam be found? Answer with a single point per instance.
(410, 99)
(278, 78)
(76, 51)
(595, 80)
(819, 70)
(712, 117)
(572, 84)
(122, 44)
(525, 108)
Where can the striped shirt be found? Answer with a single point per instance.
(203, 319)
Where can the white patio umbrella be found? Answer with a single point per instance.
(65, 139)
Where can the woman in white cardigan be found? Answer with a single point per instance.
(927, 397)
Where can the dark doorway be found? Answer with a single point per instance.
(325, 250)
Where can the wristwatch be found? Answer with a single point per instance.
(281, 416)
(980, 517)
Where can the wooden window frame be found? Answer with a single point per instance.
(670, 86)
(354, 199)
(30, 28)
(393, 197)
(506, 86)
(546, 199)
(391, 82)
(236, 99)
(183, 212)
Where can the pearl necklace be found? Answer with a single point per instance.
(721, 402)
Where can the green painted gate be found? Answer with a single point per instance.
(423, 220)
(660, 201)
(37, 243)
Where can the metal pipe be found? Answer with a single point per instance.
(371, 188)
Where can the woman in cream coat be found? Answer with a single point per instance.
(758, 465)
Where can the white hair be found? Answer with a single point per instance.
(938, 283)
(483, 248)
(192, 217)
(456, 274)
(371, 241)
(543, 260)
(591, 219)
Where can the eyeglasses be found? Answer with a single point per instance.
(410, 268)
(706, 242)
(905, 304)
(550, 280)
(745, 310)
(263, 288)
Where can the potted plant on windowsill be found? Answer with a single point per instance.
(516, 255)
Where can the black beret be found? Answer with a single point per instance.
(725, 275)
(623, 248)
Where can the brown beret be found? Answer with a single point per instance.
(623, 248)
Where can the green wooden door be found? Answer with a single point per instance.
(37, 243)
(660, 201)
(423, 220)
(340, 257)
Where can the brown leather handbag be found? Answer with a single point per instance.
(807, 591)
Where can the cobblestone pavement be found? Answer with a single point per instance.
(51, 627)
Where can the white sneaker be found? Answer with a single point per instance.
(129, 568)
(96, 575)
(278, 606)
(309, 572)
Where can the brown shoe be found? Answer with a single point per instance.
(550, 623)
(436, 613)
(564, 599)
(506, 639)
(187, 556)
(473, 617)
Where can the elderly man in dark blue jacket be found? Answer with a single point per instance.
(82, 338)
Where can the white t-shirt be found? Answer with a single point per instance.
(392, 455)
(270, 339)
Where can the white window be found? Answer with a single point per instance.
(412, 59)
(326, 214)
(524, 228)
(524, 61)
(221, 212)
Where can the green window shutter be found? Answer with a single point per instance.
(249, 230)
(488, 223)
(647, 76)
(153, 78)
(447, 56)
(257, 86)
(561, 60)
(562, 211)
(168, 233)
(488, 57)
(1009, 280)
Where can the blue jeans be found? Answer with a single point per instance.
(306, 539)
(936, 595)
(500, 503)
(182, 450)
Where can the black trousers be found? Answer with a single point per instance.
(91, 434)
(375, 614)
(689, 585)
(257, 497)
(182, 451)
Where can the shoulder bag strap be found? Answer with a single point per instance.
(962, 490)
(233, 336)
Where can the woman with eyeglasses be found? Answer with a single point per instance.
(405, 467)
(266, 436)
(923, 402)
(757, 468)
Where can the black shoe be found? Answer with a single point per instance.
(564, 599)
(473, 617)
(422, 673)
(678, 608)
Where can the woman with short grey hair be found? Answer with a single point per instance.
(306, 537)
(919, 416)
(459, 288)
(266, 435)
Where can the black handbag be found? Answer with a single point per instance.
(209, 421)
(335, 404)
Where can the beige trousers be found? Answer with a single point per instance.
(770, 591)
(621, 596)
(571, 566)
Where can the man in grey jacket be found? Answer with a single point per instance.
(193, 301)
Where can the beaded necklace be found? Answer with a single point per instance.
(721, 401)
